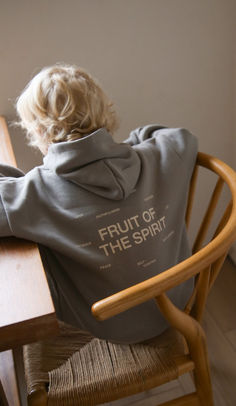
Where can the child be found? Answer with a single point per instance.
(106, 215)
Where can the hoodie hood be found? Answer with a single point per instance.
(97, 164)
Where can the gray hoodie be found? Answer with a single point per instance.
(106, 216)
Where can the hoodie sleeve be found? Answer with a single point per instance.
(10, 171)
(180, 140)
(141, 134)
(16, 189)
(8, 175)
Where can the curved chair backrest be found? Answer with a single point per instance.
(204, 264)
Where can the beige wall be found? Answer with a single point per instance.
(162, 61)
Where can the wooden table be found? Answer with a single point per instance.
(26, 310)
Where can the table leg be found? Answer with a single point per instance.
(3, 399)
(8, 389)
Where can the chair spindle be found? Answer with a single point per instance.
(192, 189)
(208, 216)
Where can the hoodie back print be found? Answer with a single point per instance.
(106, 216)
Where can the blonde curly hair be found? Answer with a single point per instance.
(63, 103)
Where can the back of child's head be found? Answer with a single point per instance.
(63, 103)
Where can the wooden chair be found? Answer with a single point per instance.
(62, 372)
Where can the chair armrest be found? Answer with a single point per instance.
(146, 290)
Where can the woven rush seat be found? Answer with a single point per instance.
(74, 365)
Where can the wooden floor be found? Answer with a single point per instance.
(220, 327)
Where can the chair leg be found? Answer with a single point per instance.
(201, 372)
(196, 340)
(3, 399)
(38, 397)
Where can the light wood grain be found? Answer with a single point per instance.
(22, 271)
(26, 309)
